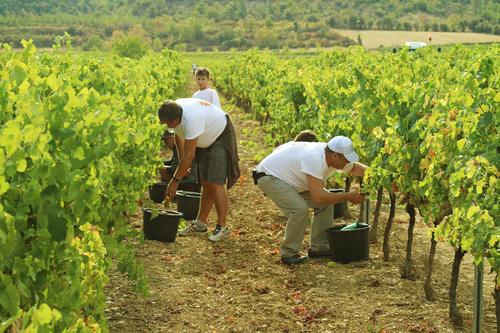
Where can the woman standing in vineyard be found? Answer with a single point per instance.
(204, 130)
(293, 176)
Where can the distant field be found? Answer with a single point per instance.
(372, 39)
(209, 58)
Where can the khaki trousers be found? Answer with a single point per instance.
(295, 206)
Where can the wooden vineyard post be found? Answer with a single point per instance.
(478, 297)
(366, 212)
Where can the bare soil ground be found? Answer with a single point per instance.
(239, 285)
(372, 39)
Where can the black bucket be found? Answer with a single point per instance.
(166, 175)
(157, 192)
(339, 209)
(162, 227)
(188, 203)
(190, 187)
(349, 245)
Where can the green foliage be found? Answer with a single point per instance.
(424, 121)
(79, 145)
(130, 46)
(239, 24)
(266, 38)
(94, 43)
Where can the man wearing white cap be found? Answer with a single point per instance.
(293, 176)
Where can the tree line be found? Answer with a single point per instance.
(225, 24)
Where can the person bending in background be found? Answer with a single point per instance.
(307, 136)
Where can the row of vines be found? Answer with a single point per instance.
(426, 123)
(76, 154)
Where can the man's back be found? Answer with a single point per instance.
(200, 120)
(293, 161)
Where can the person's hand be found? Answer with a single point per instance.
(171, 190)
(355, 197)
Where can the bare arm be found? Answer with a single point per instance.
(322, 196)
(179, 144)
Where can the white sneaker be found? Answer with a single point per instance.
(219, 234)
(194, 227)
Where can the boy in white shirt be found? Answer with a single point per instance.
(205, 93)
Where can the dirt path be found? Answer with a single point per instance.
(239, 285)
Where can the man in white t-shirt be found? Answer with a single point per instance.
(293, 176)
(204, 130)
(205, 93)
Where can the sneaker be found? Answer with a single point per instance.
(296, 259)
(318, 254)
(217, 229)
(219, 234)
(194, 227)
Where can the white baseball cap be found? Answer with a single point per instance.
(343, 145)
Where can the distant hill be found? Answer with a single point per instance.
(224, 24)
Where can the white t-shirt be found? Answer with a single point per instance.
(209, 95)
(293, 161)
(200, 120)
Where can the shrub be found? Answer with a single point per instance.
(94, 43)
(130, 46)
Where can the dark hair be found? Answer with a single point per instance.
(328, 150)
(306, 135)
(169, 111)
(202, 71)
